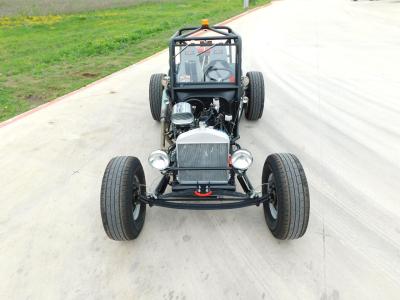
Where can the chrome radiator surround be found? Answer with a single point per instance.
(202, 147)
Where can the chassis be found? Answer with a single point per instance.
(200, 104)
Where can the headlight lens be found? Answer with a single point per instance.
(159, 160)
(242, 159)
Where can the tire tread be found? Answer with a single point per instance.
(155, 95)
(293, 195)
(256, 94)
(115, 199)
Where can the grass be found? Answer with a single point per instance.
(45, 7)
(43, 57)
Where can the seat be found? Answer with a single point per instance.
(189, 69)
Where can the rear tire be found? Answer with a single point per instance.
(288, 206)
(256, 95)
(155, 95)
(122, 214)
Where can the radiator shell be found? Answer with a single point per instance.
(203, 147)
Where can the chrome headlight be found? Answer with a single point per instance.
(242, 159)
(159, 160)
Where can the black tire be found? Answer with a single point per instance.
(123, 181)
(256, 94)
(155, 95)
(288, 206)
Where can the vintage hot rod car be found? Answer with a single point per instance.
(200, 104)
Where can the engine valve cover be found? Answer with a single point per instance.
(182, 114)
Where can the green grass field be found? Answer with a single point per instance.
(45, 7)
(43, 57)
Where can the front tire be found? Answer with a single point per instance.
(121, 212)
(288, 206)
(256, 95)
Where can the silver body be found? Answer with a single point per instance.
(202, 147)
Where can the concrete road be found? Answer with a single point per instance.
(333, 87)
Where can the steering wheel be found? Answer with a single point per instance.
(212, 69)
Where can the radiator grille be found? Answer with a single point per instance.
(203, 155)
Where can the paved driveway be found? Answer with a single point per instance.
(333, 98)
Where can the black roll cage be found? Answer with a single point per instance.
(202, 89)
(189, 34)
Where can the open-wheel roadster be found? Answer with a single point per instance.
(199, 104)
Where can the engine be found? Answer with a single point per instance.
(185, 116)
(202, 148)
(202, 141)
